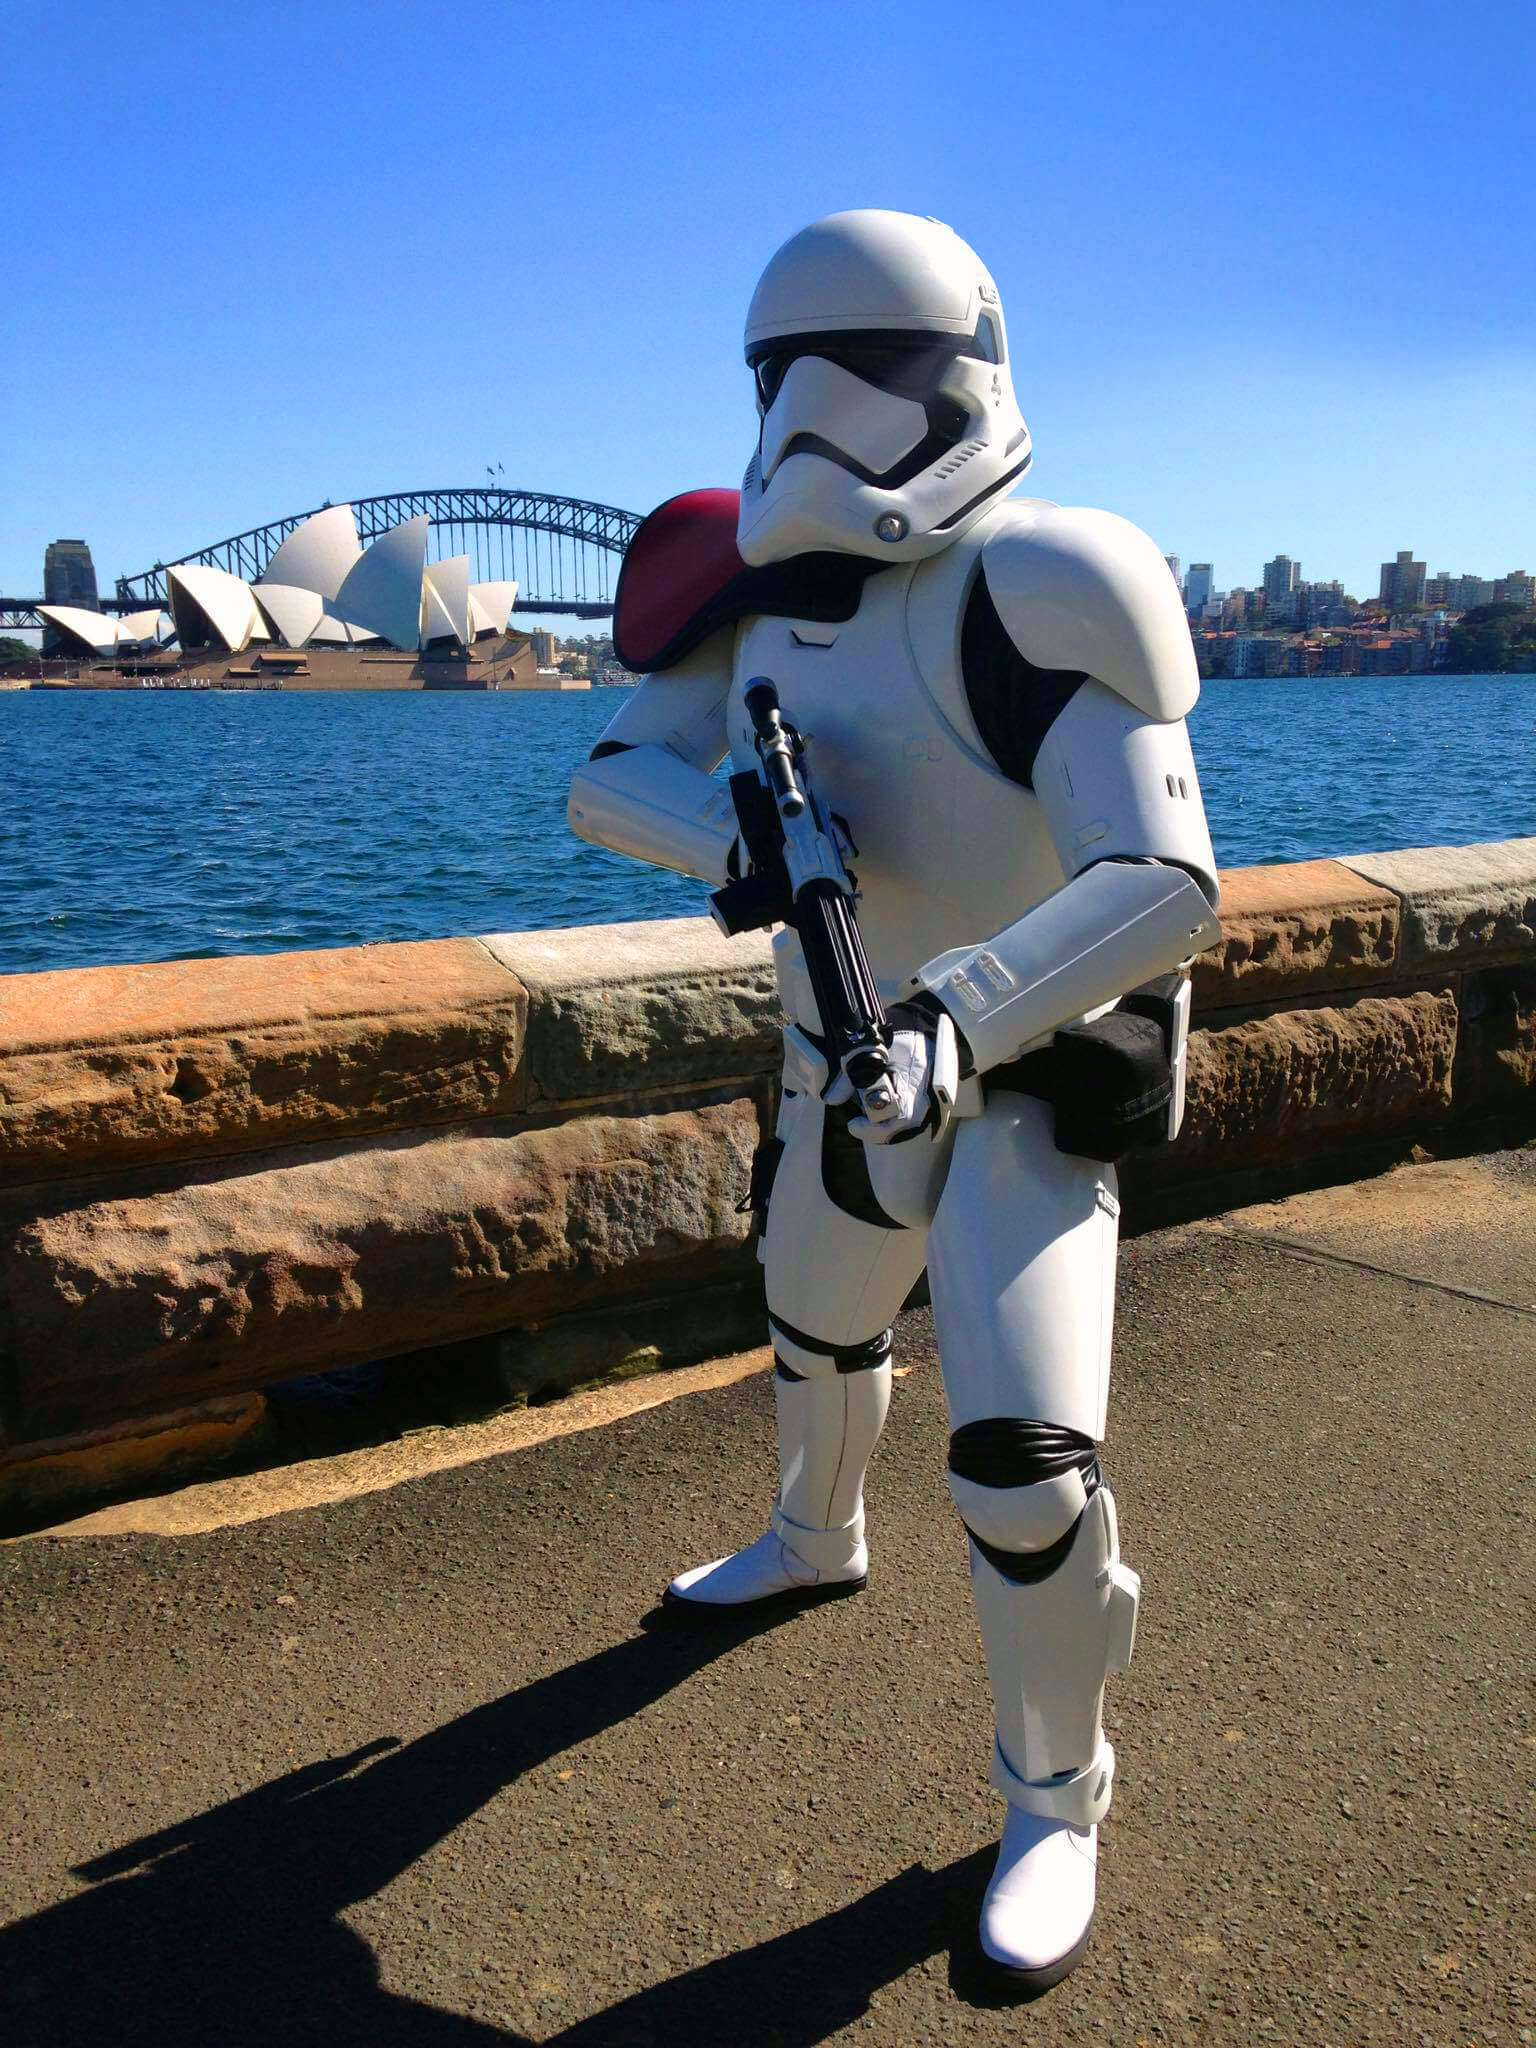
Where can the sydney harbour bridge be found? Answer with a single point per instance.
(562, 552)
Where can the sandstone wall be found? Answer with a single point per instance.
(218, 1174)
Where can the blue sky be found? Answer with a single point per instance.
(1267, 273)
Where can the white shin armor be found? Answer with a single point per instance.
(1057, 1611)
(828, 1429)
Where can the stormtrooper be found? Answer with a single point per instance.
(992, 693)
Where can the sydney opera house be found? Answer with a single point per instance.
(322, 588)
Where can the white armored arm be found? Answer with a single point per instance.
(1114, 777)
(649, 790)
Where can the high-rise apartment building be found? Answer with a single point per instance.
(1197, 586)
(1281, 577)
(69, 577)
(1402, 581)
(1461, 593)
(1321, 604)
(69, 574)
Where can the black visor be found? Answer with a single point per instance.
(908, 365)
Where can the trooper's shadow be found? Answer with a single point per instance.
(223, 1930)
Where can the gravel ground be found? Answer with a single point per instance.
(416, 1768)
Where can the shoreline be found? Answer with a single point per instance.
(320, 685)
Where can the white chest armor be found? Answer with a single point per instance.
(949, 849)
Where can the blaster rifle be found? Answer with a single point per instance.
(798, 877)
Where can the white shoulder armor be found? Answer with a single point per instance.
(1079, 589)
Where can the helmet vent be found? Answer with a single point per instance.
(749, 481)
(959, 458)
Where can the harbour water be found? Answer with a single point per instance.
(154, 826)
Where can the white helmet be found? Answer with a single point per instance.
(889, 423)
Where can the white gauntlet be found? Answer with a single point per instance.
(1111, 928)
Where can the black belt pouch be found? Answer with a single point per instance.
(1110, 1082)
(1112, 1086)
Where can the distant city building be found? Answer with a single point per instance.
(69, 574)
(1402, 582)
(545, 647)
(69, 581)
(1281, 577)
(1461, 593)
(1254, 655)
(1322, 604)
(1392, 655)
(1338, 658)
(1173, 566)
(1197, 586)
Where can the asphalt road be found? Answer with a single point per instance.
(412, 1769)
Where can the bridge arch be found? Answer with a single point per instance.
(563, 552)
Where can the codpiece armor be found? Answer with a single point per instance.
(992, 694)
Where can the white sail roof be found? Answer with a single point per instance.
(382, 592)
(84, 632)
(319, 554)
(435, 622)
(334, 632)
(292, 614)
(138, 628)
(490, 606)
(210, 603)
(447, 600)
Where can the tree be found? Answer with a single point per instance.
(15, 650)
(1493, 639)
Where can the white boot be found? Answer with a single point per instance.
(1038, 1909)
(766, 1570)
(828, 1428)
(1063, 1617)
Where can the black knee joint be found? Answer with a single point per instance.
(845, 1357)
(1007, 1450)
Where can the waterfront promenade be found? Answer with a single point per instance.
(409, 1767)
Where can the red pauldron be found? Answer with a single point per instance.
(683, 579)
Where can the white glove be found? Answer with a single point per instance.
(925, 1071)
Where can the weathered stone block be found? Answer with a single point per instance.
(110, 1066)
(254, 1272)
(1496, 1061)
(149, 1450)
(624, 1008)
(1463, 906)
(1276, 1086)
(1296, 927)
